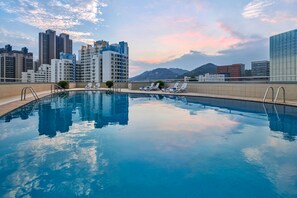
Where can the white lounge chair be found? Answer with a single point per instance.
(97, 86)
(89, 86)
(155, 87)
(146, 87)
(174, 87)
(183, 88)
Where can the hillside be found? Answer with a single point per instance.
(159, 74)
(204, 69)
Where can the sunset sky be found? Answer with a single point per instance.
(160, 33)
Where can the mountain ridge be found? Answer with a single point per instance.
(175, 73)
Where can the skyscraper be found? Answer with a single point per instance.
(283, 56)
(103, 62)
(47, 46)
(14, 62)
(51, 45)
(66, 43)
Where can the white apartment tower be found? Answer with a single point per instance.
(103, 62)
(62, 69)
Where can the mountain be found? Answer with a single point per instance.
(159, 74)
(178, 71)
(204, 69)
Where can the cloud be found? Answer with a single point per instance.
(23, 39)
(255, 49)
(57, 15)
(79, 151)
(256, 8)
(276, 11)
(277, 160)
(188, 39)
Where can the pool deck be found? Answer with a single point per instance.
(9, 104)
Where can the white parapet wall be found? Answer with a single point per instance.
(8, 90)
(242, 90)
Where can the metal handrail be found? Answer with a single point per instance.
(116, 88)
(284, 94)
(267, 90)
(24, 93)
(55, 87)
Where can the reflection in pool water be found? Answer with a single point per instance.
(118, 145)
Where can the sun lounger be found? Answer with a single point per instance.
(146, 87)
(154, 88)
(89, 86)
(97, 86)
(175, 86)
(183, 88)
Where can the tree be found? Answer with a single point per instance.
(161, 84)
(109, 84)
(64, 84)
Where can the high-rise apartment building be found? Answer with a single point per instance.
(63, 68)
(43, 74)
(51, 45)
(14, 62)
(283, 56)
(103, 62)
(59, 69)
(64, 44)
(232, 72)
(261, 68)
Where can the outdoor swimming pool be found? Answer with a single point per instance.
(127, 145)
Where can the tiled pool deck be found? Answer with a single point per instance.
(8, 104)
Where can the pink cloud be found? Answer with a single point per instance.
(184, 20)
(280, 17)
(189, 40)
(134, 70)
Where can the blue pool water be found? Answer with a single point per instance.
(119, 145)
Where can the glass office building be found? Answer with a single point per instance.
(283, 56)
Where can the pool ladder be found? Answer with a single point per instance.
(116, 88)
(274, 99)
(24, 93)
(56, 88)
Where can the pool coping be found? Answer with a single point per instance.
(9, 104)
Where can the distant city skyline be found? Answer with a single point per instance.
(161, 33)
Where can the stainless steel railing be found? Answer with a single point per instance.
(266, 92)
(277, 93)
(24, 93)
(56, 88)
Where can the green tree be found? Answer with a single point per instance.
(161, 84)
(64, 84)
(109, 84)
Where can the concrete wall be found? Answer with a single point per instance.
(72, 85)
(137, 85)
(249, 90)
(13, 90)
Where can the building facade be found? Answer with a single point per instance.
(59, 69)
(232, 72)
(14, 62)
(283, 56)
(261, 69)
(103, 62)
(62, 69)
(211, 78)
(51, 45)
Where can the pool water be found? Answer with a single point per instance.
(127, 145)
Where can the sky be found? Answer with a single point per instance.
(160, 33)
